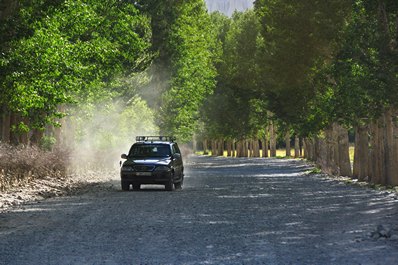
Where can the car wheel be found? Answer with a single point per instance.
(181, 183)
(169, 186)
(136, 186)
(178, 185)
(125, 186)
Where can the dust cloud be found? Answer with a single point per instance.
(96, 136)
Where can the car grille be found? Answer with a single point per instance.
(144, 168)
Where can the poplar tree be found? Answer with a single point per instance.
(183, 73)
(65, 52)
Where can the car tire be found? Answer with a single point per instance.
(181, 183)
(136, 186)
(125, 186)
(169, 186)
(178, 185)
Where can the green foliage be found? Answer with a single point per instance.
(235, 110)
(67, 53)
(360, 81)
(299, 37)
(308, 62)
(192, 78)
(315, 171)
(47, 143)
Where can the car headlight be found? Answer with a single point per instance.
(127, 169)
(163, 168)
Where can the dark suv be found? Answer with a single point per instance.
(153, 160)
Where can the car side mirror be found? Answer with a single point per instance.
(177, 155)
(124, 156)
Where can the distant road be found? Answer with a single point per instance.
(231, 211)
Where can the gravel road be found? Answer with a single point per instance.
(231, 211)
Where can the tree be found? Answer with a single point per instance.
(192, 76)
(366, 85)
(299, 37)
(233, 111)
(67, 52)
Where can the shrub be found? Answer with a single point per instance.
(19, 164)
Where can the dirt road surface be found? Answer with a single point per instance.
(231, 211)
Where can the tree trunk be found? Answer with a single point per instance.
(240, 152)
(233, 148)
(306, 147)
(344, 162)
(301, 147)
(296, 146)
(264, 149)
(335, 149)
(327, 154)
(361, 153)
(220, 147)
(1, 123)
(377, 152)
(217, 147)
(389, 165)
(229, 148)
(205, 152)
(194, 143)
(371, 151)
(324, 152)
(256, 148)
(309, 149)
(245, 148)
(238, 149)
(272, 140)
(287, 141)
(265, 144)
(357, 151)
(36, 136)
(382, 151)
(394, 178)
(317, 149)
(213, 147)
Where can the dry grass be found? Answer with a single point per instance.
(21, 164)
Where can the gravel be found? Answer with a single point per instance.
(231, 211)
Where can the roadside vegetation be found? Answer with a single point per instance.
(86, 76)
(21, 164)
(309, 74)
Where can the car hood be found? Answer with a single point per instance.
(148, 161)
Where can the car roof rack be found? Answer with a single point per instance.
(160, 138)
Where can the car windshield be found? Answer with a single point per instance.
(146, 150)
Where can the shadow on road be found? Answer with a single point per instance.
(231, 211)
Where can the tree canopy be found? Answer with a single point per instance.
(309, 63)
(68, 52)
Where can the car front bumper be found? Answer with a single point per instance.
(146, 177)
